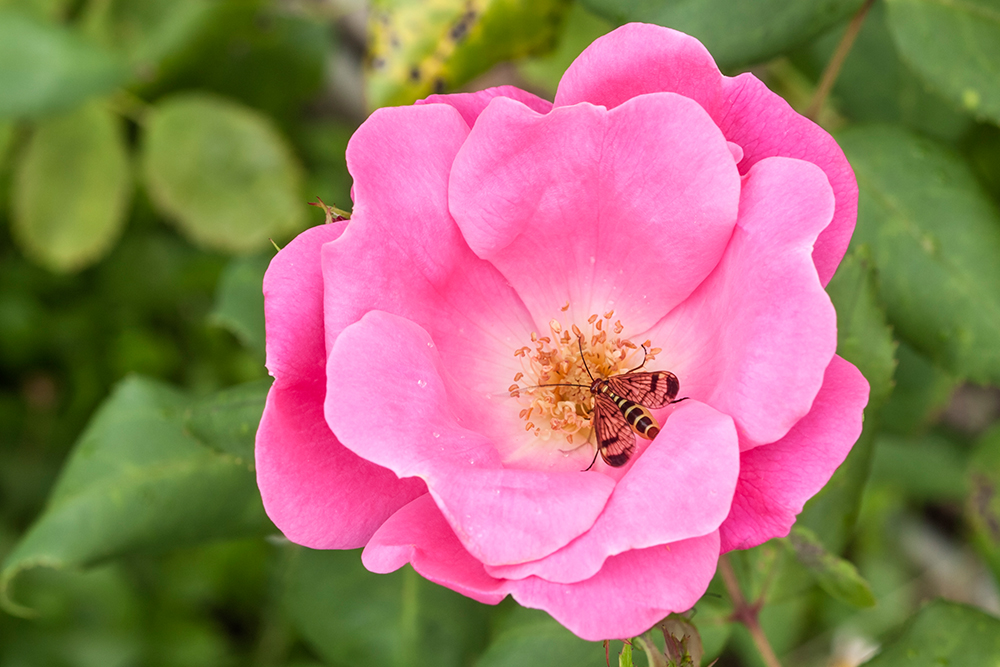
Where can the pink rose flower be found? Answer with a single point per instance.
(656, 200)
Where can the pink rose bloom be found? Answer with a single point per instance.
(496, 237)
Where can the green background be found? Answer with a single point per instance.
(152, 150)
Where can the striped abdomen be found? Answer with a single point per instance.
(638, 418)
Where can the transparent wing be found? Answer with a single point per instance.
(652, 390)
(615, 440)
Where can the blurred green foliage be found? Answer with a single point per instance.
(149, 149)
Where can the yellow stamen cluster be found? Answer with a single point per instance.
(564, 412)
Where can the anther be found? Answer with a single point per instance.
(517, 378)
(608, 315)
(576, 330)
(598, 324)
(565, 308)
(513, 387)
(555, 326)
(529, 426)
(592, 319)
(619, 327)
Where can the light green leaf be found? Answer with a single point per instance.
(353, 617)
(935, 238)
(154, 470)
(222, 172)
(864, 339)
(532, 637)
(46, 68)
(834, 575)
(72, 189)
(146, 31)
(983, 503)
(737, 32)
(239, 301)
(955, 46)
(419, 47)
(944, 633)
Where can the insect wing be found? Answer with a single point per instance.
(615, 439)
(652, 390)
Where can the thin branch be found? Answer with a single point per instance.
(747, 613)
(832, 70)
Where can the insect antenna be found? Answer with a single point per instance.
(645, 353)
(579, 341)
(597, 450)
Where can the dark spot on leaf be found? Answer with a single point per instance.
(414, 74)
(439, 85)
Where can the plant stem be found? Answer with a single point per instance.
(747, 613)
(832, 70)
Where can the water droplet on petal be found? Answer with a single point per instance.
(430, 344)
(421, 383)
(436, 434)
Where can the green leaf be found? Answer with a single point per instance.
(874, 85)
(419, 47)
(922, 392)
(532, 637)
(864, 339)
(239, 301)
(72, 189)
(154, 470)
(737, 32)
(222, 172)
(582, 28)
(982, 507)
(353, 617)
(146, 31)
(928, 468)
(944, 633)
(46, 68)
(935, 238)
(834, 575)
(955, 46)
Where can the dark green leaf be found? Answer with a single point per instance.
(935, 238)
(46, 68)
(239, 301)
(222, 172)
(419, 48)
(944, 633)
(834, 575)
(737, 32)
(146, 31)
(582, 28)
(922, 392)
(353, 617)
(531, 637)
(154, 470)
(72, 189)
(929, 467)
(955, 46)
(983, 503)
(874, 85)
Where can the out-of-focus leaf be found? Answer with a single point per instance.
(419, 47)
(928, 468)
(154, 470)
(531, 637)
(935, 238)
(984, 153)
(72, 189)
(323, 146)
(834, 575)
(582, 28)
(922, 392)
(737, 32)
(222, 172)
(955, 46)
(983, 504)
(46, 68)
(6, 138)
(39, 9)
(252, 51)
(864, 339)
(146, 31)
(239, 301)
(944, 633)
(874, 85)
(353, 617)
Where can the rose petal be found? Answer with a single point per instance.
(755, 339)
(628, 209)
(400, 409)
(317, 492)
(681, 487)
(402, 253)
(637, 59)
(470, 105)
(776, 480)
(632, 591)
(765, 126)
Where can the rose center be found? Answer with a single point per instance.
(558, 369)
